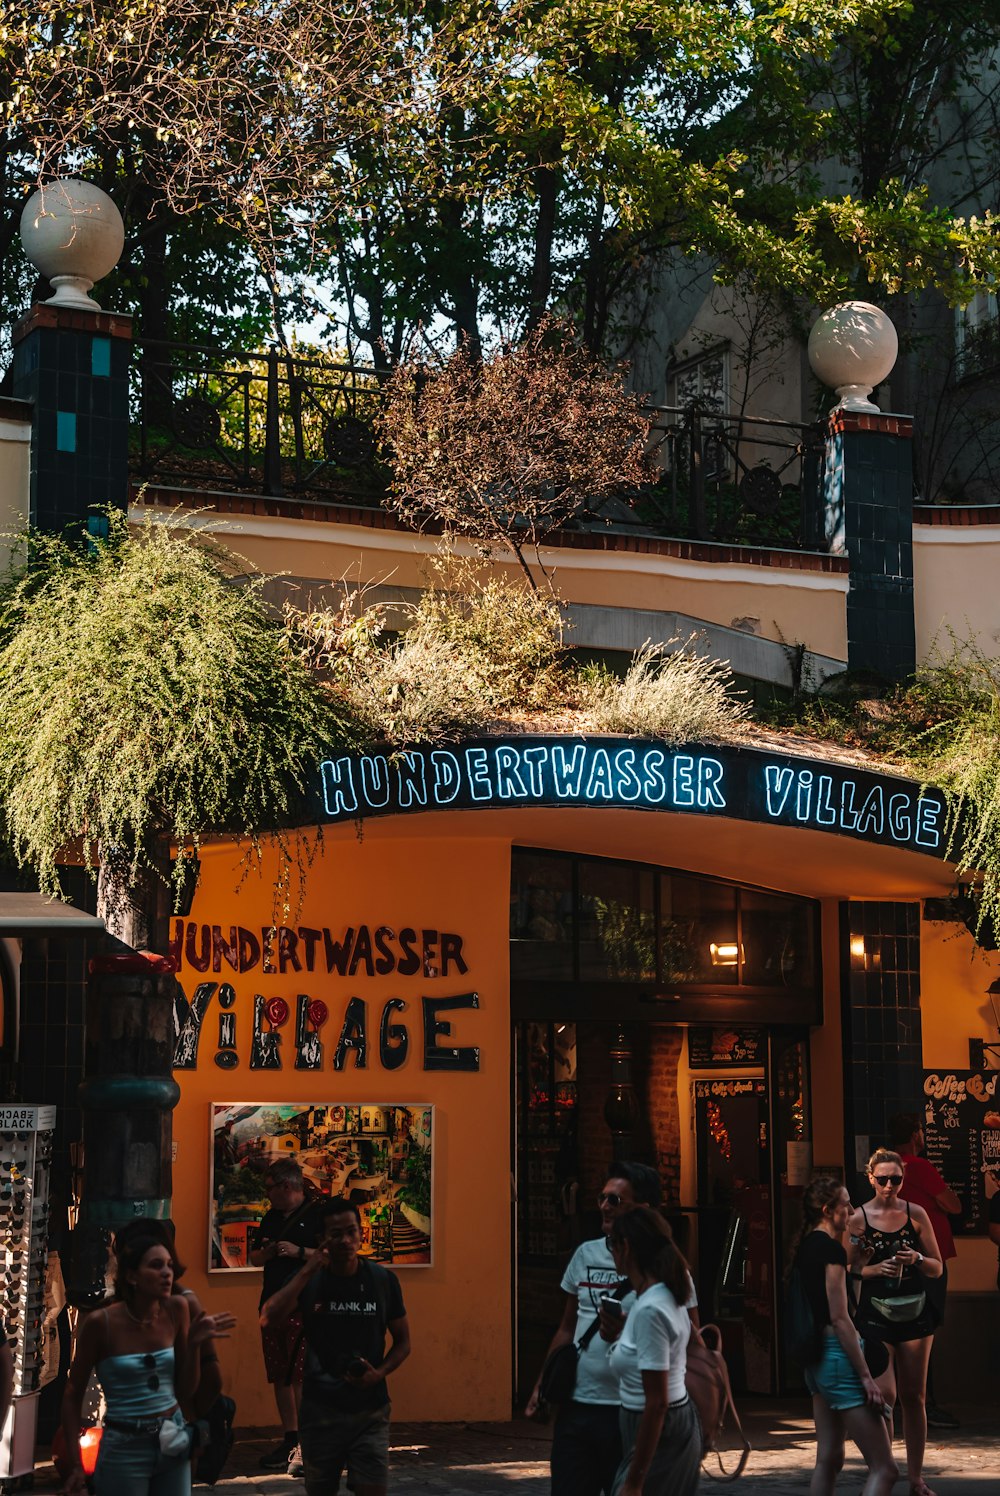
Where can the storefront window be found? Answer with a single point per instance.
(617, 922)
(700, 930)
(777, 938)
(547, 1104)
(593, 921)
(541, 917)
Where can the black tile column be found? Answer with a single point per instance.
(72, 365)
(868, 502)
(52, 1004)
(883, 1055)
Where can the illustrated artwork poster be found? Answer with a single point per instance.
(377, 1155)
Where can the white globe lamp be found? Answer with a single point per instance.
(73, 234)
(852, 348)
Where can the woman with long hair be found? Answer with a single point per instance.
(894, 1252)
(846, 1399)
(661, 1438)
(147, 1354)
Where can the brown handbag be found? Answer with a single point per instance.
(707, 1382)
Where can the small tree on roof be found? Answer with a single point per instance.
(147, 698)
(506, 449)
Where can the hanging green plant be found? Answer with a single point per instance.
(147, 698)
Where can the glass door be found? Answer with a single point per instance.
(735, 1235)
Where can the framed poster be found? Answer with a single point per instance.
(712, 1047)
(377, 1155)
(962, 1132)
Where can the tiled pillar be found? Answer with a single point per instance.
(73, 367)
(883, 1057)
(868, 503)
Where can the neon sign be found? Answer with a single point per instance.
(740, 783)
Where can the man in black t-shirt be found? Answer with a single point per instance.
(348, 1305)
(286, 1237)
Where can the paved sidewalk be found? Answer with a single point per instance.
(499, 1459)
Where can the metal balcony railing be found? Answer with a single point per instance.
(276, 424)
(268, 422)
(736, 479)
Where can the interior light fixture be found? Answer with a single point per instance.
(858, 947)
(727, 953)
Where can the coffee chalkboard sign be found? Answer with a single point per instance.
(718, 1045)
(962, 1131)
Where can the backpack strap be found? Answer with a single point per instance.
(374, 1277)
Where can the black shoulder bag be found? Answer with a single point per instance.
(557, 1382)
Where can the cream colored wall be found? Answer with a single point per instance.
(955, 585)
(790, 606)
(15, 454)
(954, 976)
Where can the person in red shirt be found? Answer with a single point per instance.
(923, 1185)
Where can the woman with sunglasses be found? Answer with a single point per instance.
(147, 1356)
(893, 1252)
(661, 1437)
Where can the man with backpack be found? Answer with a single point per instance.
(586, 1443)
(348, 1305)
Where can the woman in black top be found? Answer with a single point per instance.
(846, 1399)
(895, 1253)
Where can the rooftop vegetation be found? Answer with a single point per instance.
(149, 697)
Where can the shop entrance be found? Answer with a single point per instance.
(735, 1230)
(663, 1017)
(730, 1149)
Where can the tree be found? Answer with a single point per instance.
(480, 164)
(146, 699)
(592, 140)
(507, 449)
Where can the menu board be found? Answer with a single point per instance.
(711, 1047)
(962, 1131)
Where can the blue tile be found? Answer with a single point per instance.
(65, 431)
(100, 357)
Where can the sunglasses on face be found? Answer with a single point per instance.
(884, 1180)
(608, 1197)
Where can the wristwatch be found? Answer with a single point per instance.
(920, 1258)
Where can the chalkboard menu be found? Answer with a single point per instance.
(962, 1131)
(720, 1044)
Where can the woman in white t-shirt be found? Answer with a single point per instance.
(661, 1436)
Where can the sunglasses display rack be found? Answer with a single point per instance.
(26, 1134)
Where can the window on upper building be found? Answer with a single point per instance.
(701, 381)
(977, 335)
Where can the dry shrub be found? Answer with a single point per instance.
(420, 689)
(675, 695)
(506, 449)
(510, 637)
(465, 657)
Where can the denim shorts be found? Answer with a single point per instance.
(834, 1379)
